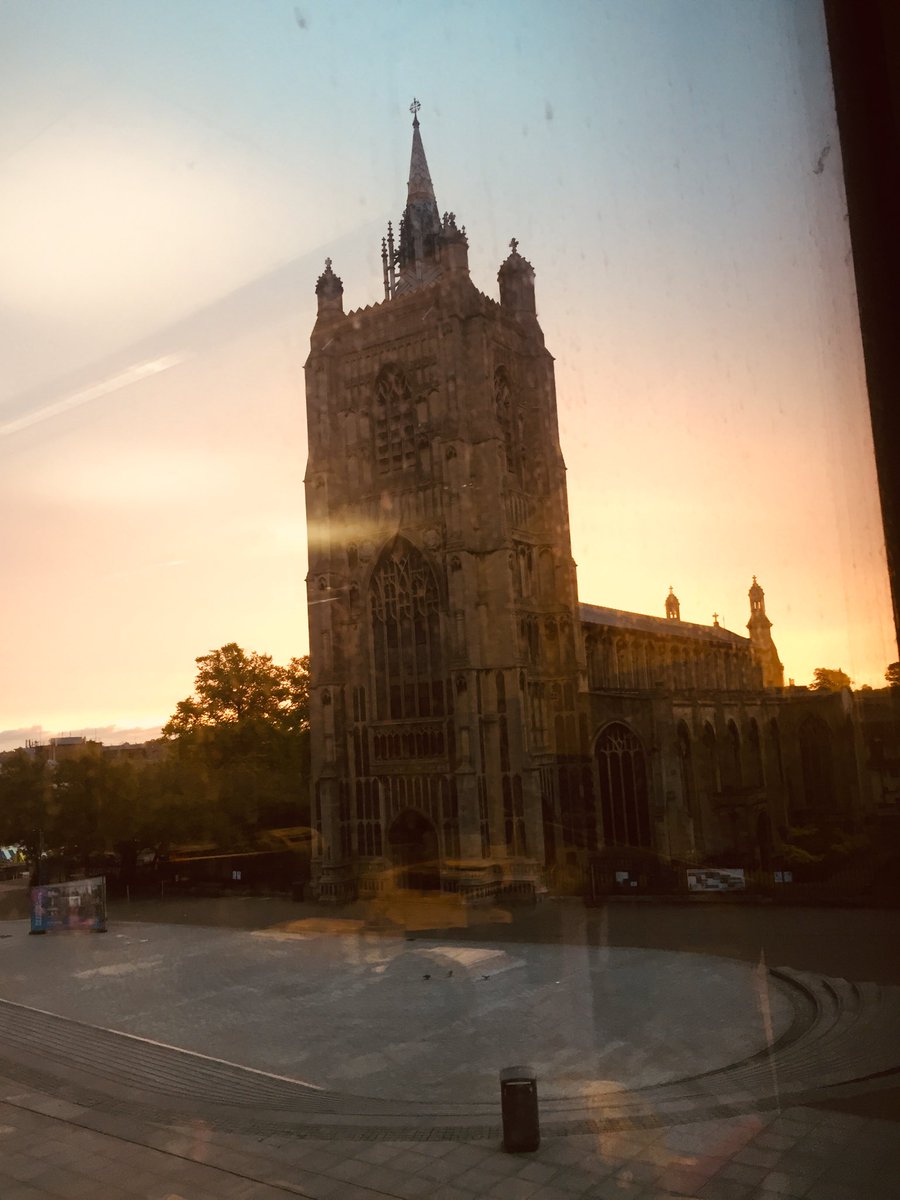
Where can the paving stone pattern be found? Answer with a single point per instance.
(89, 1112)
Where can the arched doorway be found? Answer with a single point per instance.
(413, 847)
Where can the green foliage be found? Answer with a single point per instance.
(85, 804)
(244, 736)
(237, 762)
(237, 690)
(830, 679)
(25, 799)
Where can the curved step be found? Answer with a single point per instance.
(842, 1032)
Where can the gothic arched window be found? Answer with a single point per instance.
(818, 768)
(624, 798)
(755, 746)
(775, 749)
(394, 423)
(686, 766)
(731, 757)
(406, 635)
(710, 760)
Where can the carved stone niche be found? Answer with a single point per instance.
(322, 583)
(450, 452)
(455, 564)
(432, 539)
(461, 685)
(326, 698)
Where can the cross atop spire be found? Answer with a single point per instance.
(414, 109)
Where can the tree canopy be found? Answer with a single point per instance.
(234, 688)
(892, 675)
(244, 734)
(830, 679)
(236, 764)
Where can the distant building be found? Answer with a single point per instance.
(474, 726)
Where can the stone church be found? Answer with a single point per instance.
(475, 727)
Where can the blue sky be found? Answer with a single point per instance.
(172, 176)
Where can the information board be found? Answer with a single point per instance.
(78, 904)
(716, 879)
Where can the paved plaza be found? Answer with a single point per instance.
(356, 1054)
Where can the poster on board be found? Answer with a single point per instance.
(716, 879)
(78, 904)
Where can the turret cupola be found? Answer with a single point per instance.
(330, 295)
(330, 291)
(761, 645)
(516, 278)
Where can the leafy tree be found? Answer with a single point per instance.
(830, 679)
(27, 809)
(244, 733)
(97, 804)
(892, 675)
(237, 689)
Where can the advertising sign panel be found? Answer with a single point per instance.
(716, 879)
(78, 904)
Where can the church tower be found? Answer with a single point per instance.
(762, 648)
(445, 651)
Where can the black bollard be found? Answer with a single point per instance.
(519, 1106)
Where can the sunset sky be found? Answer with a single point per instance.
(173, 174)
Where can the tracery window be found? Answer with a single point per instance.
(624, 798)
(731, 757)
(686, 766)
(755, 757)
(368, 817)
(395, 445)
(775, 749)
(710, 760)
(406, 632)
(818, 767)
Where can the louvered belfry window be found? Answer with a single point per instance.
(395, 442)
(406, 632)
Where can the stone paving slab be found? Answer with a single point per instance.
(819, 1156)
(59, 1140)
(381, 1016)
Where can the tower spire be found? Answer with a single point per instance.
(419, 188)
(415, 261)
